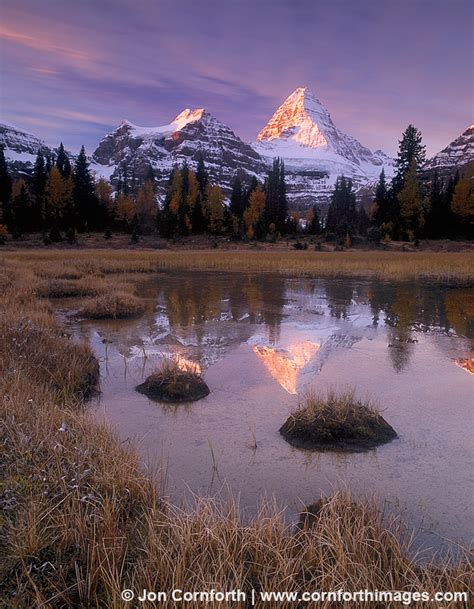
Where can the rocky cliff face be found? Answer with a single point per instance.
(458, 153)
(190, 134)
(20, 149)
(302, 132)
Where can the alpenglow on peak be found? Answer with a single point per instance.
(301, 118)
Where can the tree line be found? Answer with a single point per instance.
(413, 207)
(62, 199)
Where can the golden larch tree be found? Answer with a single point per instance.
(253, 215)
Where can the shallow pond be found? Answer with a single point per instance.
(262, 341)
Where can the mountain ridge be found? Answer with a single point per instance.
(300, 131)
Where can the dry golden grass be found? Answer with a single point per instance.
(67, 288)
(115, 305)
(439, 266)
(81, 520)
(336, 421)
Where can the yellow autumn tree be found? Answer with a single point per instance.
(103, 191)
(193, 190)
(411, 202)
(56, 201)
(176, 192)
(253, 214)
(146, 207)
(125, 209)
(214, 208)
(20, 204)
(462, 203)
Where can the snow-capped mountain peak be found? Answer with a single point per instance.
(20, 148)
(456, 154)
(301, 118)
(302, 132)
(183, 119)
(188, 116)
(191, 134)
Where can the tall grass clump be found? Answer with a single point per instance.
(175, 380)
(115, 305)
(67, 288)
(336, 421)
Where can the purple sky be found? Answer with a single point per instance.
(73, 70)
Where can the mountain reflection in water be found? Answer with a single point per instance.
(261, 339)
(284, 365)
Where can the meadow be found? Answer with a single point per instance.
(82, 519)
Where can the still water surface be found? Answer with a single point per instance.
(262, 341)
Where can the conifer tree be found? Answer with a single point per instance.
(202, 175)
(362, 221)
(184, 216)
(123, 185)
(313, 225)
(62, 162)
(237, 198)
(6, 217)
(69, 219)
(342, 218)
(411, 203)
(20, 207)
(272, 194)
(410, 149)
(382, 201)
(462, 203)
(438, 219)
(85, 201)
(39, 186)
(282, 200)
(193, 201)
(275, 196)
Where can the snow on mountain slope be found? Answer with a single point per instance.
(302, 132)
(20, 148)
(456, 154)
(190, 134)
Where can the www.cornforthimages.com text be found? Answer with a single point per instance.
(404, 597)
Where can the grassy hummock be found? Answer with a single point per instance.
(336, 422)
(66, 288)
(174, 381)
(112, 306)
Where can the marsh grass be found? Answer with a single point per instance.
(175, 380)
(336, 421)
(82, 519)
(67, 288)
(114, 305)
(434, 266)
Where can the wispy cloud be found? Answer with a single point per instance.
(72, 73)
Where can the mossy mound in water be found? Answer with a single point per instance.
(336, 422)
(173, 382)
